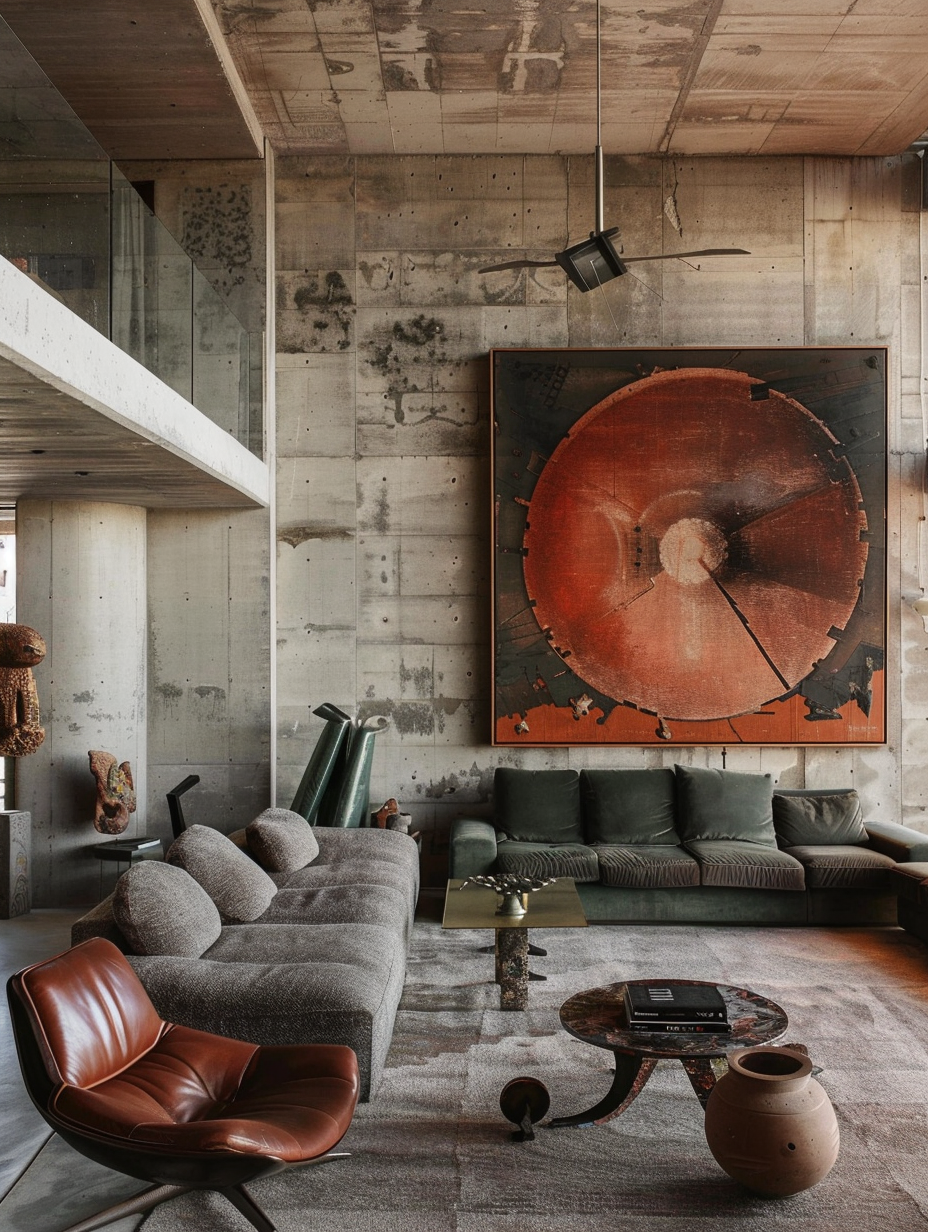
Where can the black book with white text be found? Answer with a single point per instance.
(667, 1002)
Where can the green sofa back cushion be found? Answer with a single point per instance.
(722, 804)
(828, 819)
(538, 806)
(628, 807)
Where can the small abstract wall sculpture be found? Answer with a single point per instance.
(21, 648)
(115, 792)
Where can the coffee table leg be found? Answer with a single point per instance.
(703, 1073)
(631, 1073)
(512, 967)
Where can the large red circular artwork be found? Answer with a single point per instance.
(695, 544)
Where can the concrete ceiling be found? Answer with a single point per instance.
(158, 79)
(739, 77)
(55, 447)
(144, 76)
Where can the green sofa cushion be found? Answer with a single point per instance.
(538, 806)
(548, 860)
(714, 805)
(818, 820)
(628, 807)
(732, 862)
(655, 866)
(837, 867)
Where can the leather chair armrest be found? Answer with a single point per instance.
(900, 843)
(473, 847)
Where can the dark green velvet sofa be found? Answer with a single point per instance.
(693, 845)
(910, 881)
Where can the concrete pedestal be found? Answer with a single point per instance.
(15, 864)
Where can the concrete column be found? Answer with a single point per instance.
(81, 578)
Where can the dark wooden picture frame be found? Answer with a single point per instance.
(689, 546)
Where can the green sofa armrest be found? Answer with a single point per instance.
(473, 847)
(901, 843)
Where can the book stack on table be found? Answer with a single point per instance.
(675, 1008)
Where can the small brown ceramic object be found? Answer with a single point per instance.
(769, 1124)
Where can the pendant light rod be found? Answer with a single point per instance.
(600, 212)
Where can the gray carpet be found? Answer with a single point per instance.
(433, 1154)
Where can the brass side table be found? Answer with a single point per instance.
(553, 906)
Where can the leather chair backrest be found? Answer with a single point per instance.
(89, 1013)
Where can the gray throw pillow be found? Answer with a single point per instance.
(240, 889)
(160, 909)
(827, 820)
(538, 806)
(282, 841)
(715, 805)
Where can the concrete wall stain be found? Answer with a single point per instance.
(422, 679)
(218, 229)
(87, 696)
(418, 340)
(295, 535)
(169, 693)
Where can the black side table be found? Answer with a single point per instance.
(126, 851)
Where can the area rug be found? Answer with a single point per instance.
(432, 1153)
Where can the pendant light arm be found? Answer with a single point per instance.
(599, 124)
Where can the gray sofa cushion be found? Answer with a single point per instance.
(730, 862)
(290, 984)
(538, 806)
(282, 841)
(160, 909)
(547, 860)
(723, 804)
(843, 867)
(240, 889)
(654, 867)
(815, 821)
(338, 847)
(628, 807)
(341, 904)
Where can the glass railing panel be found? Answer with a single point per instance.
(72, 222)
(54, 226)
(152, 289)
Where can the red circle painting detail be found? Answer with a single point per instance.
(692, 549)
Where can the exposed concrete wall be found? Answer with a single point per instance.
(81, 583)
(209, 665)
(383, 427)
(209, 662)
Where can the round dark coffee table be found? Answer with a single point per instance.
(597, 1016)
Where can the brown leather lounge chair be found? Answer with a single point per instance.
(177, 1107)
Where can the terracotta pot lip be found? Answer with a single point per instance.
(803, 1067)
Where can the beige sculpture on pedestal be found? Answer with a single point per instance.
(21, 648)
(115, 792)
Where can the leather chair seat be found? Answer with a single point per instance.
(199, 1092)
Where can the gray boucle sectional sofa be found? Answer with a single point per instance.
(311, 948)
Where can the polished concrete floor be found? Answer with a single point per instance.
(25, 940)
(44, 1184)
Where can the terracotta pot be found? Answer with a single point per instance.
(769, 1124)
